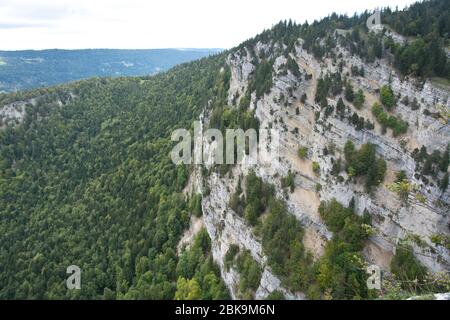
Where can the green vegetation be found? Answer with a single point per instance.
(441, 240)
(249, 270)
(282, 243)
(387, 97)
(281, 237)
(91, 184)
(421, 19)
(400, 176)
(198, 276)
(340, 108)
(407, 269)
(257, 198)
(397, 125)
(275, 295)
(187, 289)
(303, 152)
(360, 123)
(357, 71)
(349, 93)
(224, 118)
(411, 278)
(402, 189)
(316, 168)
(336, 168)
(293, 67)
(423, 58)
(341, 271)
(434, 165)
(363, 162)
(443, 184)
(261, 81)
(250, 274)
(359, 99)
(328, 86)
(288, 181)
(196, 205)
(359, 42)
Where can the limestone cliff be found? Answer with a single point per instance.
(283, 109)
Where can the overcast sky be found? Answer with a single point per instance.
(75, 24)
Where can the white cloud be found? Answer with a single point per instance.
(71, 24)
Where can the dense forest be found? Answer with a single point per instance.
(92, 184)
(86, 178)
(425, 25)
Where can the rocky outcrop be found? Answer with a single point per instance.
(283, 110)
(438, 296)
(14, 112)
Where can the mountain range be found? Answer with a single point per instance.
(22, 70)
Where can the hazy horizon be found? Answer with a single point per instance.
(130, 49)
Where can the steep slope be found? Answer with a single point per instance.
(410, 214)
(361, 179)
(86, 180)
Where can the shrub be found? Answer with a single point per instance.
(288, 182)
(262, 78)
(387, 97)
(402, 188)
(340, 107)
(282, 241)
(303, 152)
(397, 125)
(293, 67)
(316, 167)
(359, 99)
(275, 295)
(408, 269)
(250, 273)
(196, 205)
(364, 162)
(258, 195)
(349, 94)
(250, 214)
(441, 240)
(341, 272)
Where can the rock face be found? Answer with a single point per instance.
(438, 296)
(282, 109)
(14, 112)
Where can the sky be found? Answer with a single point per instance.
(145, 24)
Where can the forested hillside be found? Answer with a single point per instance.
(92, 184)
(86, 176)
